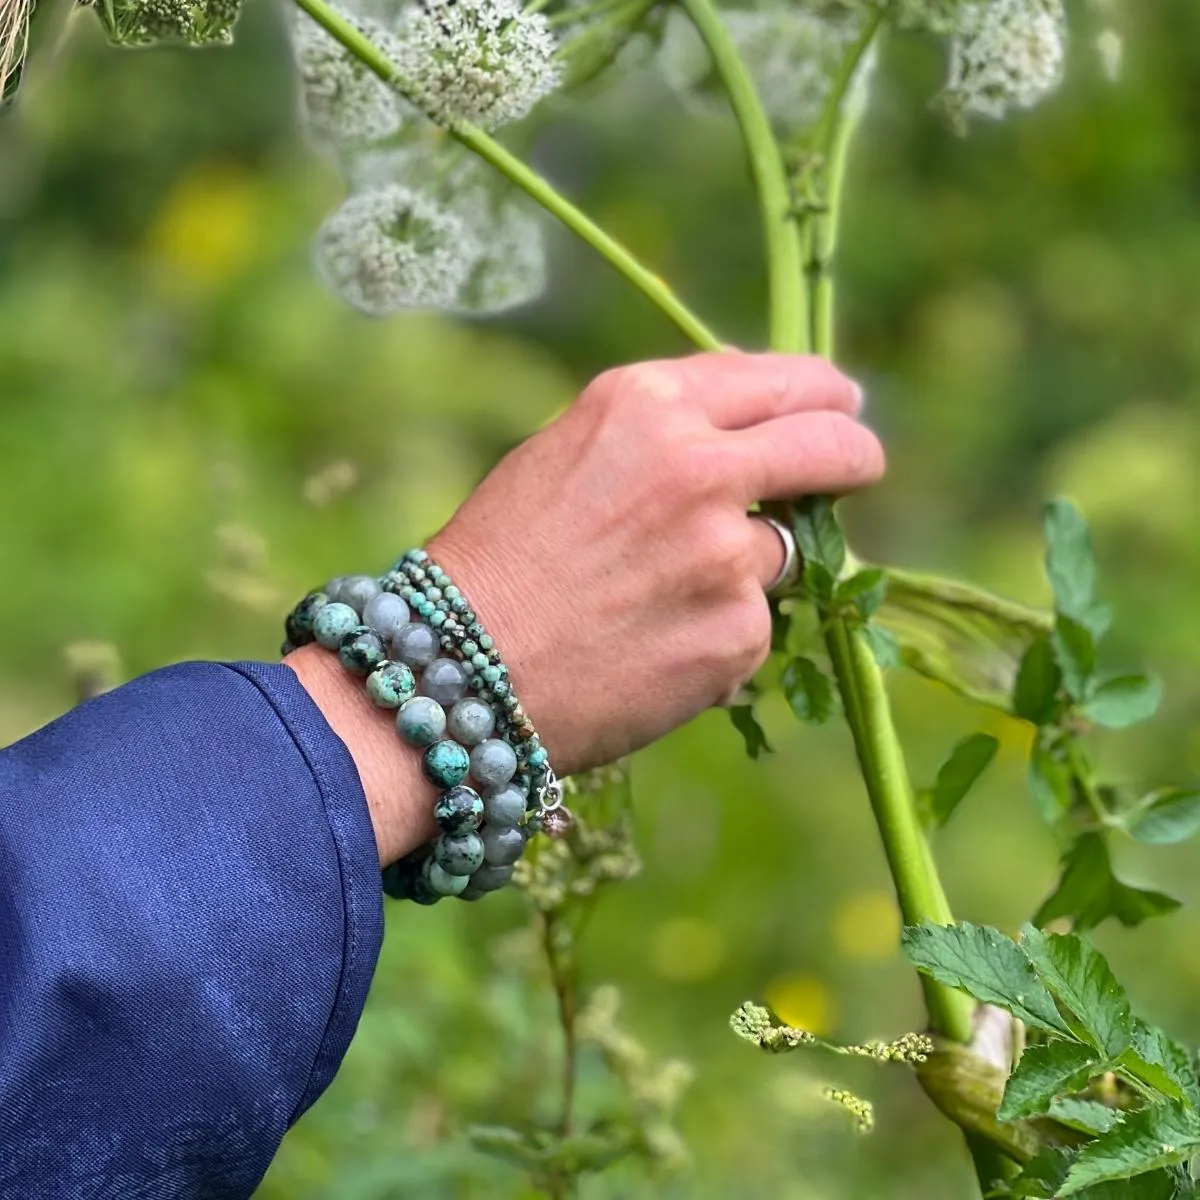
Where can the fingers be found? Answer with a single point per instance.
(804, 454)
(738, 391)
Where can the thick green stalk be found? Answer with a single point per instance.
(785, 261)
(528, 180)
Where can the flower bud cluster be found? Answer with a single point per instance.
(861, 1110)
(145, 22)
(755, 1024)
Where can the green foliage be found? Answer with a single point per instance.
(819, 536)
(809, 691)
(1062, 986)
(956, 776)
(742, 716)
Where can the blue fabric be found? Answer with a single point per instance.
(190, 915)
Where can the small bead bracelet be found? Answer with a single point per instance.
(416, 610)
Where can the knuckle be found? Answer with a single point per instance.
(752, 642)
(727, 551)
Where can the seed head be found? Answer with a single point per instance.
(1004, 54)
(861, 1110)
(391, 248)
(484, 61)
(144, 22)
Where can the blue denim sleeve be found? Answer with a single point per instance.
(190, 915)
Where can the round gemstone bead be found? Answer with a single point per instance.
(415, 644)
(493, 763)
(421, 891)
(459, 855)
(301, 620)
(362, 650)
(479, 660)
(437, 619)
(504, 807)
(459, 810)
(444, 883)
(391, 685)
(433, 594)
(446, 763)
(358, 590)
(485, 642)
(386, 613)
(469, 648)
(491, 878)
(539, 757)
(471, 721)
(421, 721)
(333, 622)
(416, 555)
(501, 847)
(333, 589)
(444, 681)
(423, 607)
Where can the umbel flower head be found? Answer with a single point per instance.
(1004, 54)
(484, 61)
(144, 22)
(392, 247)
(343, 102)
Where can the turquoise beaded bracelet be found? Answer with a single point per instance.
(486, 738)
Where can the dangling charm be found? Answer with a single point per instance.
(556, 818)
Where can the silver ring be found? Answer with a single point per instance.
(789, 573)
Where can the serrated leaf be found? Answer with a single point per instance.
(883, 646)
(819, 583)
(987, 965)
(1049, 785)
(1088, 1116)
(1035, 694)
(809, 691)
(744, 721)
(1123, 701)
(1158, 1185)
(867, 590)
(1075, 652)
(819, 535)
(1161, 1063)
(1069, 562)
(967, 762)
(1149, 1140)
(1089, 892)
(1078, 975)
(1043, 1174)
(1169, 817)
(1044, 1072)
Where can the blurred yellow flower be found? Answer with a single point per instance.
(802, 1001)
(866, 925)
(687, 950)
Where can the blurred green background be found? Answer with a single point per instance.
(192, 433)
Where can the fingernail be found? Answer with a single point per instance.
(860, 395)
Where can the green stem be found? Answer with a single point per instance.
(528, 180)
(785, 261)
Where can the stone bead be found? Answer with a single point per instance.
(502, 847)
(416, 555)
(358, 590)
(471, 722)
(421, 891)
(446, 763)
(391, 685)
(386, 613)
(444, 681)
(333, 589)
(504, 807)
(415, 644)
(421, 721)
(300, 622)
(459, 810)
(459, 855)
(445, 884)
(362, 650)
(332, 624)
(491, 878)
(433, 594)
(493, 763)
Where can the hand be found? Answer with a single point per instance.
(611, 554)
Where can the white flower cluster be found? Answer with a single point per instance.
(343, 102)
(793, 55)
(1005, 54)
(485, 61)
(145, 22)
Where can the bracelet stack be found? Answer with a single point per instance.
(424, 653)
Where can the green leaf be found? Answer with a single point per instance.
(1035, 694)
(819, 535)
(742, 716)
(1075, 652)
(1088, 1116)
(1168, 818)
(1148, 1140)
(1078, 975)
(819, 584)
(1069, 562)
(1043, 1175)
(883, 645)
(1049, 785)
(1160, 1062)
(1157, 1185)
(1045, 1072)
(1123, 701)
(1089, 892)
(968, 760)
(867, 590)
(987, 965)
(809, 691)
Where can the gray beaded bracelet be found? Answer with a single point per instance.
(488, 738)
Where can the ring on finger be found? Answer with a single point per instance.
(789, 573)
